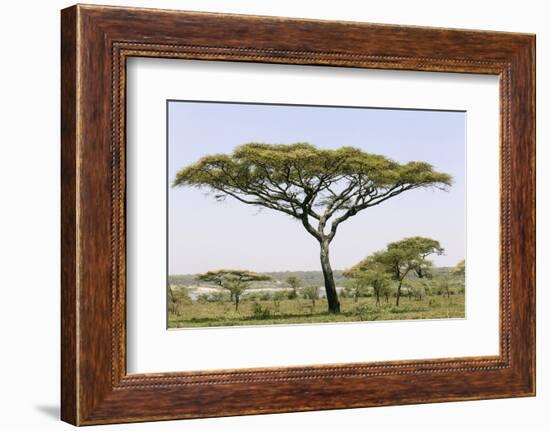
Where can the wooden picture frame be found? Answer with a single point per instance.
(95, 43)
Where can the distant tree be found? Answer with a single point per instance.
(321, 188)
(178, 297)
(416, 288)
(235, 281)
(445, 286)
(355, 287)
(294, 282)
(386, 290)
(403, 257)
(310, 292)
(460, 268)
(370, 272)
(277, 298)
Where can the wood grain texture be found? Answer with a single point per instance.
(69, 397)
(96, 41)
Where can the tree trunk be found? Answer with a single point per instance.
(330, 287)
(236, 302)
(398, 295)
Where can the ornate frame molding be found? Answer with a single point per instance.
(96, 41)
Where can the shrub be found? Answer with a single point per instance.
(292, 294)
(177, 299)
(203, 297)
(260, 312)
(266, 296)
(310, 292)
(217, 297)
(277, 298)
(250, 297)
(365, 312)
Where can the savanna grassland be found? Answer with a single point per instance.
(292, 311)
(274, 302)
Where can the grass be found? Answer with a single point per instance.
(208, 314)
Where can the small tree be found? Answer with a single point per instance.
(403, 257)
(416, 288)
(369, 272)
(445, 286)
(277, 298)
(355, 287)
(386, 290)
(294, 283)
(460, 269)
(310, 292)
(236, 281)
(178, 297)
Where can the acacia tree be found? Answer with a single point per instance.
(403, 257)
(460, 269)
(310, 292)
(369, 272)
(234, 280)
(294, 282)
(355, 287)
(320, 188)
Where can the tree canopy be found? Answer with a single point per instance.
(307, 182)
(369, 272)
(400, 259)
(460, 268)
(294, 282)
(234, 280)
(310, 292)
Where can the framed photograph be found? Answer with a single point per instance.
(265, 215)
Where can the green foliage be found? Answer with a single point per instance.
(460, 268)
(366, 311)
(369, 272)
(234, 280)
(307, 182)
(292, 294)
(396, 262)
(356, 288)
(277, 298)
(263, 165)
(217, 297)
(178, 298)
(410, 254)
(203, 297)
(266, 296)
(222, 276)
(310, 292)
(260, 312)
(294, 282)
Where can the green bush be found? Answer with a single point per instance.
(178, 297)
(266, 296)
(260, 312)
(203, 297)
(218, 297)
(366, 312)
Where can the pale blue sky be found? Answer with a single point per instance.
(205, 234)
